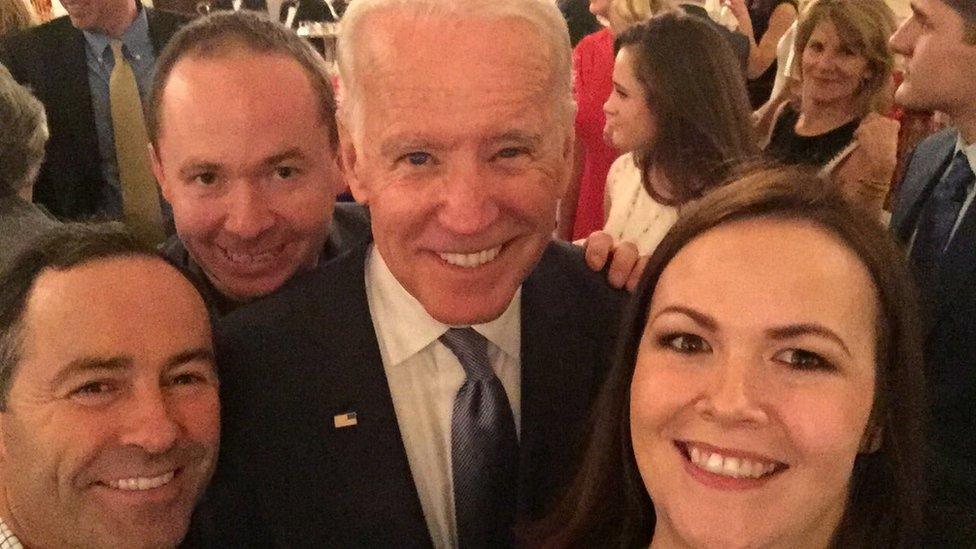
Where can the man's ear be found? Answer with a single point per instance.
(871, 440)
(157, 169)
(348, 159)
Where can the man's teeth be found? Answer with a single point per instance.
(246, 258)
(727, 466)
(471, 260)
(142, 483)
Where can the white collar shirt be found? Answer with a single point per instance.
(424, 377)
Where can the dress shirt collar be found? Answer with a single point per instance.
(404, 327)
(968, 149)
(135, 37)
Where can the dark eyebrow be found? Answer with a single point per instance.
(289, 154)
(91, 364)
(196, 166)
(700, 318)
(122, 363)
(795, 330)
(201, 354)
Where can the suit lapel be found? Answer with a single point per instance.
(925, 169)
(74, 92)
(556, 383)
(357, 383)
(958, 264)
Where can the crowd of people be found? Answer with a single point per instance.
(763, 335)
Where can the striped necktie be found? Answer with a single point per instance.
(484, 447)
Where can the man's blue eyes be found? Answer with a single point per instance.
(423, 158)
(418, 158)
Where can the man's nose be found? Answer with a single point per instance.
(248, 214)
(149, 423)
(467, 201)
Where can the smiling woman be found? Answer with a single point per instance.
(769, 367)
(845, 68)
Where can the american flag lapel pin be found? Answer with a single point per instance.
(342, 421)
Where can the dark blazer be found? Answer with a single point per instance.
(50, 59)
(253, 5)
(579, 20)
(289, 364)
(310, 10)
(949, 307)
(738, 41)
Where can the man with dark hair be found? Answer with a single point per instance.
(109, 413)
(95, 164)
(21, 153)
(252, 178)
(935, 217)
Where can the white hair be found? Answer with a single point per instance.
(542, 15)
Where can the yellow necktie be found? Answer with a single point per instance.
(140, 198)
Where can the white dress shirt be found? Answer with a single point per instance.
(424, 377)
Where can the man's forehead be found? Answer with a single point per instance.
(96, 288)
(442, 42)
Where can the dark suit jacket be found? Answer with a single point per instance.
(949, 305)
(253, 5)
(579, 20)
(310, 10)
(737, 40)
(50, 59)
(290, 363)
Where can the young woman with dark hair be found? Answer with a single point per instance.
(768, 385)
(679, 112)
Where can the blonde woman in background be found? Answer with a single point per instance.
(581, 209)
(15, 15)
(844, 66)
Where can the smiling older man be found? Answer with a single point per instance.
(430, 387)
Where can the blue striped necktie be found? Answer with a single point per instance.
(484, 447)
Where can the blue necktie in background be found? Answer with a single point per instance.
(939, 216)
(484, 447)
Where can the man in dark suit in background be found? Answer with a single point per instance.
(738, 41)
(260, 6)
(430, 387)
(310, 10)
(935, 217)
(579, 19)
(67, 63)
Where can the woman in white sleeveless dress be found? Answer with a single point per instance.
(679, 107)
